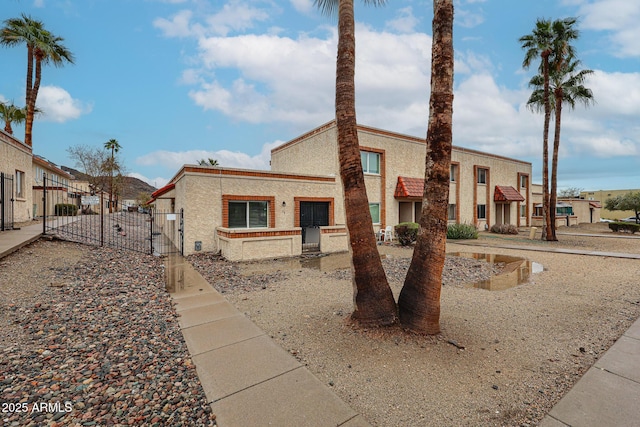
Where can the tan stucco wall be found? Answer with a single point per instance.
(200, 194)
(15, 155)
(405, 156)
(582, 210)
(602, 196)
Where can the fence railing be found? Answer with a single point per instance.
(74, 214)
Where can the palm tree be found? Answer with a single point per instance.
(419, 301)
(538, 44)
(209, 162)
(373, 299)
(114, 146)
(42, 48)
(11, 114)
(567, 85)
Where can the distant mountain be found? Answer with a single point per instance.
(132, 187)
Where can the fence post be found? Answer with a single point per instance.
(44, 203)
(101, 218)
(150, 232)
(2, 201)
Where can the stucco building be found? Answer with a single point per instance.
(15, 165)
(298, 205)
(602, 196)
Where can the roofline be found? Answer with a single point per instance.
(370, 129)
(218, 171)
(50, 165)
(10, 139)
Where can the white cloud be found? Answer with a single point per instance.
(57, 105)
(178, 26)
(157, 182)
(233, 17)
(174, 160)
(293, 80)
(405, 22)
(303, 6)
(619, 18)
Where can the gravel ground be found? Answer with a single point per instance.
(504, 358)
(89, 336)
(94, 329)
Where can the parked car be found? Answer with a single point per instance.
(606, 220)
(630, 219)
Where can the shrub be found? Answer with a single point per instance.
(407, 232)
(504, 229)
(624, 226)
(66, 209)
(461, 231)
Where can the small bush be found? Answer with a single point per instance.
(504, 229)
(66, 209)
(407, 232)
(624, 226)
(461, 231)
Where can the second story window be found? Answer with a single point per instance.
(482, 176)
(370, 162)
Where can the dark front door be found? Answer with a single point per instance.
(313, 215)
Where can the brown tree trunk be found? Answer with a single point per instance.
(547, 225)
(419, 301)
(31, 103)
(554, 162)
(373, 300)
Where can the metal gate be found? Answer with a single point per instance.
(313, 215)
(74, 214)
(6, 201)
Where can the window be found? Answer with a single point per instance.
(374, 209)
(452, 173)
(251, 214)
(523, 181)
(482, 211)
(370, 162)
(452, 212)
(564, 210)
(482, 176)
(20, 185)
(523, 211)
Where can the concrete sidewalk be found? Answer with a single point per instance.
(248, 379)
(609, 393)
(12, 240)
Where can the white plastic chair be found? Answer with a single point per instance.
(388, 233)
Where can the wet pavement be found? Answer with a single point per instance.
(248, 379)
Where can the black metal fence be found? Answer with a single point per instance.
(74, 214)
(6, 201)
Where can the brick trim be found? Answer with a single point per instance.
(383, 180)
(487, 199)
(457, 186)
(226, 198)
(526, 202)
(249, 234)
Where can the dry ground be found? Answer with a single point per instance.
(523, 347)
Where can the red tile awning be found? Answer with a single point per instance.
(409, 188)
(596, 205)
(162, 191)
(506, 193)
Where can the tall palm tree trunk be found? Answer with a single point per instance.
(419, 301)
(554, 161)
(31, 104)
(373, 299)
(28, 122)
(548, 227)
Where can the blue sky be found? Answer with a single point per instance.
(175, 81)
